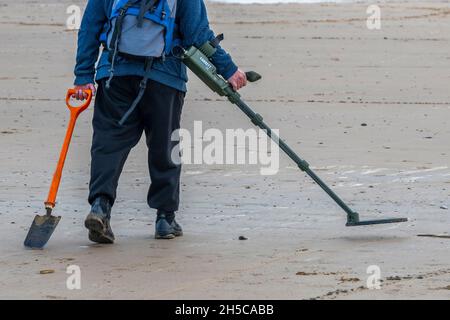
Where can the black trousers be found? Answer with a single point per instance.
(158, 114)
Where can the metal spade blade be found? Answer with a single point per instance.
(41, 230)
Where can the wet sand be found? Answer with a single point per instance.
(324, 76)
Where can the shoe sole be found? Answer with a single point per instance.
(170, 235)
(166, 236)
(97, 230)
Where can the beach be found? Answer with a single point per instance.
(368, 109)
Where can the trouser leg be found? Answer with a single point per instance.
(112, 142)
(160, 110)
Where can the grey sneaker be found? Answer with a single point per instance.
(97, 221)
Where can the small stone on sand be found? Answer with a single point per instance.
(48, 271)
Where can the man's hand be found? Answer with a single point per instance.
(238, 80)
(81, 95)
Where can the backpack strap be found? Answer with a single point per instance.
(116, 39)
(142, 87)
(145, 6)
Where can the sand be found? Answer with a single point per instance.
(325, 74)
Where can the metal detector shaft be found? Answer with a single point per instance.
(199, 61)
(257, 120)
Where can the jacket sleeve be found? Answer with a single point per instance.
(195, 30)
(94, 19)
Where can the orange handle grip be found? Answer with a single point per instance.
(78, 109)
(74, 113)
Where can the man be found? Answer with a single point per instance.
(158, 114)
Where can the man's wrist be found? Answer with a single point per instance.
(229, 71)
(84, 79)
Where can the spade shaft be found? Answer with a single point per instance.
(74, 113)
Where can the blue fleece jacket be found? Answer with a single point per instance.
(193, 28)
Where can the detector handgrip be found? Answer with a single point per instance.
(253, 76)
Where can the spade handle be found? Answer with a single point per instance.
(74, 113)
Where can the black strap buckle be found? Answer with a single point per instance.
(122, 11)
(215, 42)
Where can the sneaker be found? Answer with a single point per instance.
(177, 228)
(98, 221)
(166, 227)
